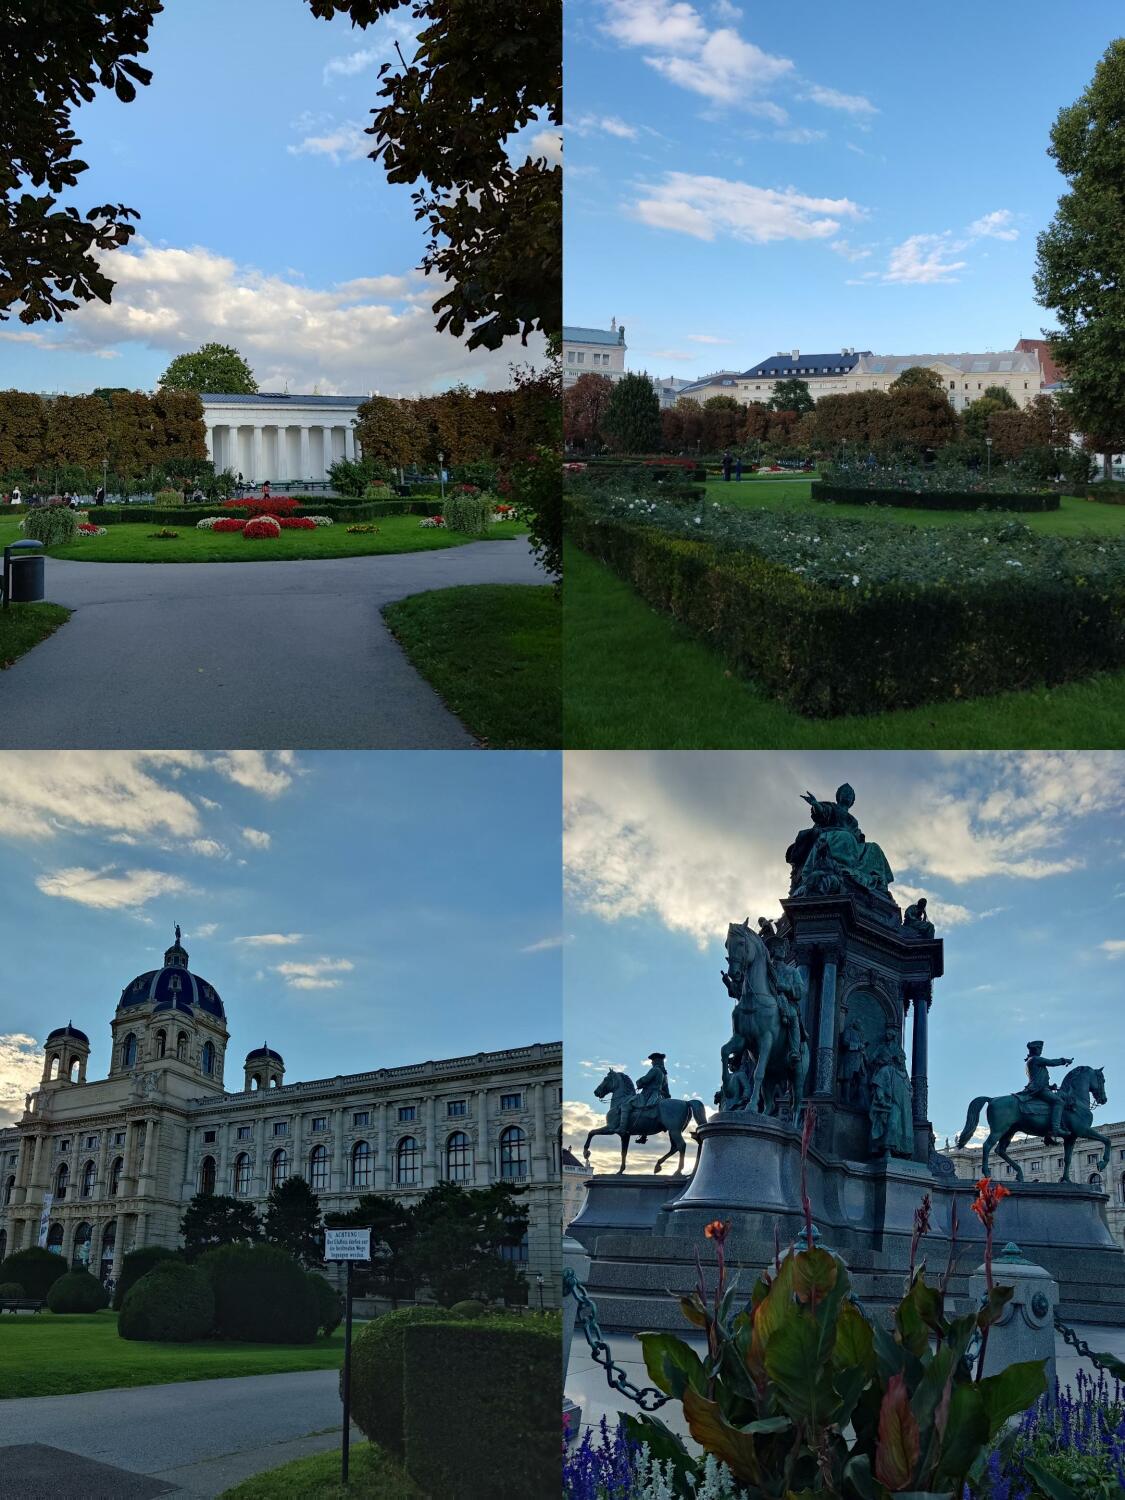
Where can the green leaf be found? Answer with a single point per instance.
(890, 1356)
(966, 1433)
(857, 1473)
(998, 1299)
(711, 1431)
(896, 1456)
(693, 1310)
(803, 1380)
(768, 1424)
(927, 1394)
(854, 1341)
(1013, 1390)
(1050, 1484)
(671, 1364)
(814, 1273)
(665, 1445)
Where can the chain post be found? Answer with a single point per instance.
(647, 1398)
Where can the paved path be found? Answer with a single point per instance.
(262, 655)
(195, 1438)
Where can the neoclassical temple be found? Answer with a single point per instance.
(279, 437)
(97, 1167)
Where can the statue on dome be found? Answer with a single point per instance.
(835, 846)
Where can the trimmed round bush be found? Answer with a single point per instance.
(10, 1289)
(262, 1296)
(77, 1292)
(50, 524)
(136, 1264)
(172, 1304)
(35, 1269)
(329, 1301)
(470, 1308)
(377, 1407)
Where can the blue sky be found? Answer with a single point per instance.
(743, 179)
(1020, 855)
(357, 911)
(263, 223)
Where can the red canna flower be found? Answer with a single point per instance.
(987, 1201)
(717, 1230)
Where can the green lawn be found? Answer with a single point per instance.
(1074, 517)
(634, 679)
(45, 1355)
(133, 542)
(25, 625)
(372, 1475)
(494, 654)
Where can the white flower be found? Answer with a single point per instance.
(1012, 563)
(855, 580)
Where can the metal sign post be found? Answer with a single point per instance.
(347, 1245)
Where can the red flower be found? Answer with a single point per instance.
(228, 523)
(717, 1230)
(262, 526)
(987, 1201)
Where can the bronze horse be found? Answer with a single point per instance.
(758, 1029)
(1008, 1113)
(669, 1115)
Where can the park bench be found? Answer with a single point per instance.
(22, 1304)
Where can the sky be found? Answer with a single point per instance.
(263, 223)
(353, 911)
(743, 179)
(1021, 856)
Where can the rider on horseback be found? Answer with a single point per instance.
(1039, 1086)
(651, 1088)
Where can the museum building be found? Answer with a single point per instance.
(98, 1167)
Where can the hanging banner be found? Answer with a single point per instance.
(45, 1219)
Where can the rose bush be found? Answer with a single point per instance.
(262, 526)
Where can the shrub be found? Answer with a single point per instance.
(77, 1292)
(329, 1302)
(208, 523)
(164, 498)
(228, 523)
(35, 1269)
(935, 499)
(136, 1264)
(262, 1296)
(262, 526)
(377, 1401)
(10, 1289)
(470, 1308)
(380, 491)
(172, 1304)
(165, 534)
(508, 1378)
(469, 514)
(50, 524)
(363, 530)
(116, 515)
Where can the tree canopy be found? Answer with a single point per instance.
(52, 59)
(212, 1220)
(791, 395)
(1081, 255)
(484, 71)
(918, 375)
(292, 1221)
(632, 417)
(217, 368)
(584, 407)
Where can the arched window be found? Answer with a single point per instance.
(279, 1168)
(458, 1157)
(407, 1161)
(89, 1173)
(361, 1165)
(513, 1153)
(74, 1070)
(53, 1072)
(241, 1176)
(318, 1169)
(115, 1176)
(109, 1239)
(208, 1059)
(83, 1240)
(129, 1051)
(161, 1043)
(55, 1239)
(207, 1175)
(181, 1046)
(3, 1243)
(62, 1177)
(255, 1083)
(1095, 1179)
(9, 1188)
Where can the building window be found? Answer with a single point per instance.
(245, 1132)
(361, 1165)
(8, 1189)
(62, 1177)
(318, 1169)
(570, 356)
(279, 1168)
(513, 1153)
(580, 358)
(207, 1175)
(320, 1122)
(208, 1137)
(407, 1161)
(1035, 1165)
(129, 1051)
(281, 1127)
(407, 1112)
(64, 1145)
(181, 1046)
(89, 1172)
(208, 1059)
(240, 1178)
(517, 1254)
(161, 1043)
(455, 1107)
(115, 1176)
(1091, 1158)
(511, 1101)
(458, 1157)
(55, 1239)
(119, 1138)
(90, 1142)
(361, 1117)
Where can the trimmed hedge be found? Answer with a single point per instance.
(825, 489)
(262, 1296)
(826, 651)
(136, 1264)
(507, 1379)
(468, 514)
(35, 1269)
(377, 1400)
(77, 1292)
(50, 524)
(171, 1304)
(9, 1289)
(1109, 492)
(328, 1300)
(368, 510)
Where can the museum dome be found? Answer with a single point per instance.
(173, 987)
(264, 1052)
(68, 1030)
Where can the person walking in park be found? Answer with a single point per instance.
(738, 468)
(726, 466)
(99, 495)
(17, 498)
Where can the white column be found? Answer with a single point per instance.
(209, 433)
(539, 1147)
(382, 1176)
(305, 462)
(339, 1184)
(349, 442)
(257, 472)
(429, 1150)
(483, 1159)
(282, 475)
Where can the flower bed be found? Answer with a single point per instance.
(262, 526)
(87, 529)
(275, 505)
(836, 616)
(935, 499)
(433, 521)
(226, 523)
(363, 530)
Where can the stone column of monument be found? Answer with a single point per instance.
(144, 1187)
(349, 443)
(23, 1170)
(222, 1178)
(921, 997)
(118, 1245)
(282, 454)
(257, 472)
(825, 1086)
(539, 1158)
(187, 1187)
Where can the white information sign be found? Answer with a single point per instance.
(45, 1219)
(347, 1244)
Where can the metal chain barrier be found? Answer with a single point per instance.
(648, 1398)
(1099, 1361)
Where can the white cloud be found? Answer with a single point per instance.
(706, 338)
(206, 930)
(728, 70)
(107, 890)
(593, 124)
(370, 333)
(849, 251)
(21, 1066)
(43, 792)
(345, 141)
(548, 144)
(706, 206)
(353, 62)
(1113, 947)
(800, 135)
(995, 226)
(271, 775)
(943, 914)
(208, 804)
(314, 974)
(544, 944)
(671, 25)
(852, 104)
(209, 848)
(271, 939)
(923, 260)
(256, 838)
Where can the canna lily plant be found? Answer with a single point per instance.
(800, 1394)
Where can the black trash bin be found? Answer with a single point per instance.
(24, 572)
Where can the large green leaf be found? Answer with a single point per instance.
(815, 1273)
(966, 1433)
(776, 1309)
(1013, 1390)
(939, 1373)
(997, 1300)
(803, 1380)
(713, 1432)
(693, 1310)
(890, 1355)
(857, 1473)
(896, 1456)
(854, 1343)
(1050, 1484)
(671, 1364)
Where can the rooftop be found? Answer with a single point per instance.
(575, 335)
(272, 398)
(992, 362)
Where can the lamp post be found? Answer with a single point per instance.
(441, 474)
(105, 465)
(539, 1284)
(988, 450)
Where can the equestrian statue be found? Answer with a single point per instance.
(766, 1060)
(645, 1109)
(1042, 1110)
